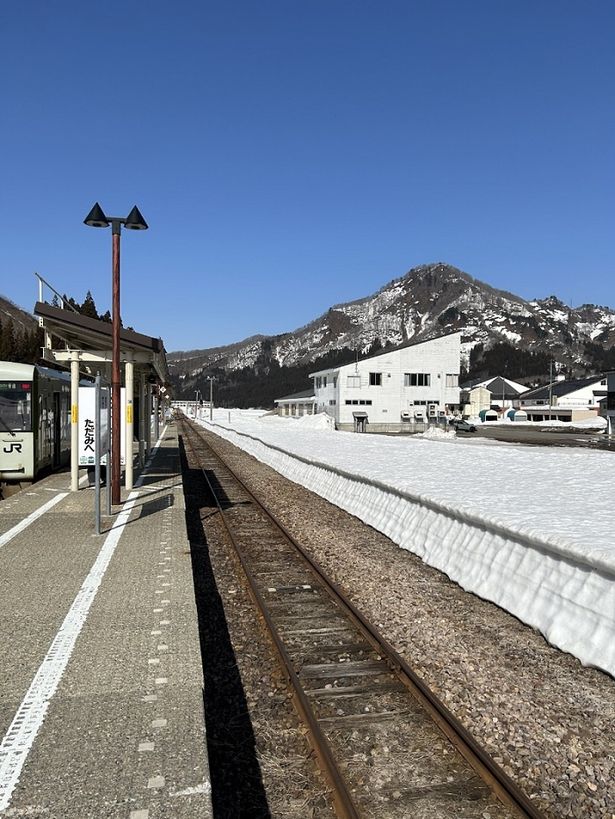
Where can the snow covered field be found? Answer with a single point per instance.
(528, 528)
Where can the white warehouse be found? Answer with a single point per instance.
(419, 381)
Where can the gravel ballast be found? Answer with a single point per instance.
(549, 721)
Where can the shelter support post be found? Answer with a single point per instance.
(74, 422)
(148, 418)
(129, 369)
(141, 420)
(156, 398)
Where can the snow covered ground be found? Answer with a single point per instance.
(528, 528)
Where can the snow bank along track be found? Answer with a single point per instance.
(385, 742)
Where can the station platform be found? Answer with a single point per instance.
(101, 680)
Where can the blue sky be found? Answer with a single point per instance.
(288, 156)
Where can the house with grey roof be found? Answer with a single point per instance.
(504, 392)
(565, 400)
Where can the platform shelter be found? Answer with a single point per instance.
(86, 344)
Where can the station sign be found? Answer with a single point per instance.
(87, 425)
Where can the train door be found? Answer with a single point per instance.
(56, 432)
(44, 434)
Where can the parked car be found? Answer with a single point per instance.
(463, 426)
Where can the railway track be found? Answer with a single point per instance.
(387, 745)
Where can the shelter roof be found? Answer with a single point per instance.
(92, 338)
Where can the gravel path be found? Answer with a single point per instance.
(546, 719)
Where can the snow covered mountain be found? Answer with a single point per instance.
(428, 301)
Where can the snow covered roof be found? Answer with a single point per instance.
(296, 396)
(495, 383)
(560, 388)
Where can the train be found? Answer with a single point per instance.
(35, 420)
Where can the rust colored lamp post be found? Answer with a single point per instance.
(134, 221)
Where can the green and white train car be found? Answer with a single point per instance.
(35, 421)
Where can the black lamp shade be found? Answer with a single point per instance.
(134, 220)
(96, 217)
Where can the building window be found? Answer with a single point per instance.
(417, 379)
(335, 380)
(452, 380)
(332, 403)
(375, 379)
(324, 380)
(353, 380)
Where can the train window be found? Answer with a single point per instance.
(15, 407)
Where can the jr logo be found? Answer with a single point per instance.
(12, 448)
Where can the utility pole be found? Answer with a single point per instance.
(211, 379)
(550, 387)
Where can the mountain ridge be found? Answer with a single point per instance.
(428, 300)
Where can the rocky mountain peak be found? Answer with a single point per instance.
(429, 300)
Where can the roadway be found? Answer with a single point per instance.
(542, 437)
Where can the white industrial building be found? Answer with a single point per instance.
(416, 382)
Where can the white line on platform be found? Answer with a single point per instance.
(27, 722)
(4, 539)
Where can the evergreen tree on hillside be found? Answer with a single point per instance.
(505, 360)
(20, 344)
(33, 344)
(8, 343)
(600, 358)
(88, 308)
(69, 300)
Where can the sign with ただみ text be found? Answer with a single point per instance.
(87, 425)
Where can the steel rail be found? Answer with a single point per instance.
(481, 761)
(340, 794)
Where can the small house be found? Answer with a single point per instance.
(297, 404)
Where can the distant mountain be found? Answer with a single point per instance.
(21, 338)
(429, 300)
(10, 312)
